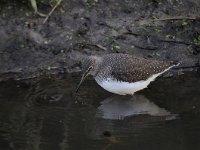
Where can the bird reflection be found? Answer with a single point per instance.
(119, 107)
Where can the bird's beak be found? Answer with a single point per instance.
(83, 78)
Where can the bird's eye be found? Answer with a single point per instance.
(90, 68)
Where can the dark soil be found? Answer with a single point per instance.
(29, 48)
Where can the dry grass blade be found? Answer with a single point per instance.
(52, 10)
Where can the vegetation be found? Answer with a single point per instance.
(197, 40)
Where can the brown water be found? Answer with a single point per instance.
(46, 115)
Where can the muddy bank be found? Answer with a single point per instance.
(29, 48)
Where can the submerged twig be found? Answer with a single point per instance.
(52, 10)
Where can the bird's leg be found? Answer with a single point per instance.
(34, 5)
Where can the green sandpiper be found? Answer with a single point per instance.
(123, 74)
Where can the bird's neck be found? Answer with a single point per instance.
(96, 64)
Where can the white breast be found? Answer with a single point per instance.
(126, 88)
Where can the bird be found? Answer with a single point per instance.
(123, 74)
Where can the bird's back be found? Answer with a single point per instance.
(129, 68)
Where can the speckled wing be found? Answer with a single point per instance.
(138, 69)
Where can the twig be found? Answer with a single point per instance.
(158, 39)
(52, 10)
(168, 19)
(97, 45)
(101, 47)
(107, 25)
(40, 14)
(176, 18)
(178, 42)
(107, 146)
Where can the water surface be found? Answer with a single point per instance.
(47, 115)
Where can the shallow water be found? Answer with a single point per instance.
(47, 115)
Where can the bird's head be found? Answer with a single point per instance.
(90, 66)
